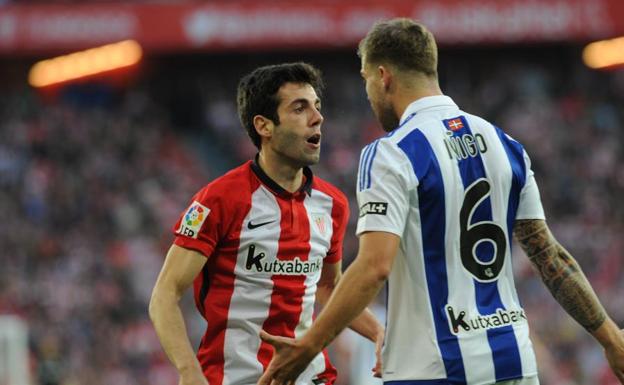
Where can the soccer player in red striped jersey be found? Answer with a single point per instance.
(259, 244)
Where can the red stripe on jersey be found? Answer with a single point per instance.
(215, 308)
(288, 290)
(330, 373)
(215, 305)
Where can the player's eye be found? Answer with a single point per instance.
(299, 109)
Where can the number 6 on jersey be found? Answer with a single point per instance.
(474, 234)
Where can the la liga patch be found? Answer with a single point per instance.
(193, 220)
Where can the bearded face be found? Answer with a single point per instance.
(386, 116)
(297, 139)
(378, 98)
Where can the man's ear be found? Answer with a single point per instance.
(264, 126)
(386, 76)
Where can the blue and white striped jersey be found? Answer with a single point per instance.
(451, 185)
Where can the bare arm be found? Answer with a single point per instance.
(179, 270)
(564, 278)
(560, 273)
(357, 288)
(365, 324)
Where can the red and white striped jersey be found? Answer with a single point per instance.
(265, 249)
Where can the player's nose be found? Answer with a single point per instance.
(317, 118)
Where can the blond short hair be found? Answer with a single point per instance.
(403, 43)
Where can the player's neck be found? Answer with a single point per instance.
(288, 176)
(406, 96)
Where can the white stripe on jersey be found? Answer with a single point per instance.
(500, 202)
(413, 328)
(241, 345)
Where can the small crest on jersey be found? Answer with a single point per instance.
(193, 219)
(454, 124)
(320, 221)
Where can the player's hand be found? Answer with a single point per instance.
(379, 341)
(615, 356)
(290, 359)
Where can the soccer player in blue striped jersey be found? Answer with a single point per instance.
(440, 197)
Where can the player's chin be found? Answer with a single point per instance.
(312, 158)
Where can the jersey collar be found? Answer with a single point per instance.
(306, 187)
(426, 103)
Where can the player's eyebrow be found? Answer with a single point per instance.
(305, 101)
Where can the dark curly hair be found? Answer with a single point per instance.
(257, 92)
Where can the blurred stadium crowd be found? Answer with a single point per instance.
(89, 192)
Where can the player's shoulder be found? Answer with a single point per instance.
(386, 149)
(381, 158)
(479, 122)
(476, 121)
(230, 187)
(411, 130)
(328, 188)
(495, 134)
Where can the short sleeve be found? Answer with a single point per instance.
(199, 226)
(530, 203)
(383, 189)
(340, 219)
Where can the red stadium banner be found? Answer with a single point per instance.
(239, 25)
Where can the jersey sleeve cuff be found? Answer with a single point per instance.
(194, 244)
(531, 216)
(384, 229)
(333, 257)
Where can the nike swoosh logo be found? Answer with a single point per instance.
(252, 226)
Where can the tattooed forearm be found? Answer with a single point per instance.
(560, 273)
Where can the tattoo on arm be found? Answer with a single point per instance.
(560, 273)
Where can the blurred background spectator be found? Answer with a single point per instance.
(93, 175)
